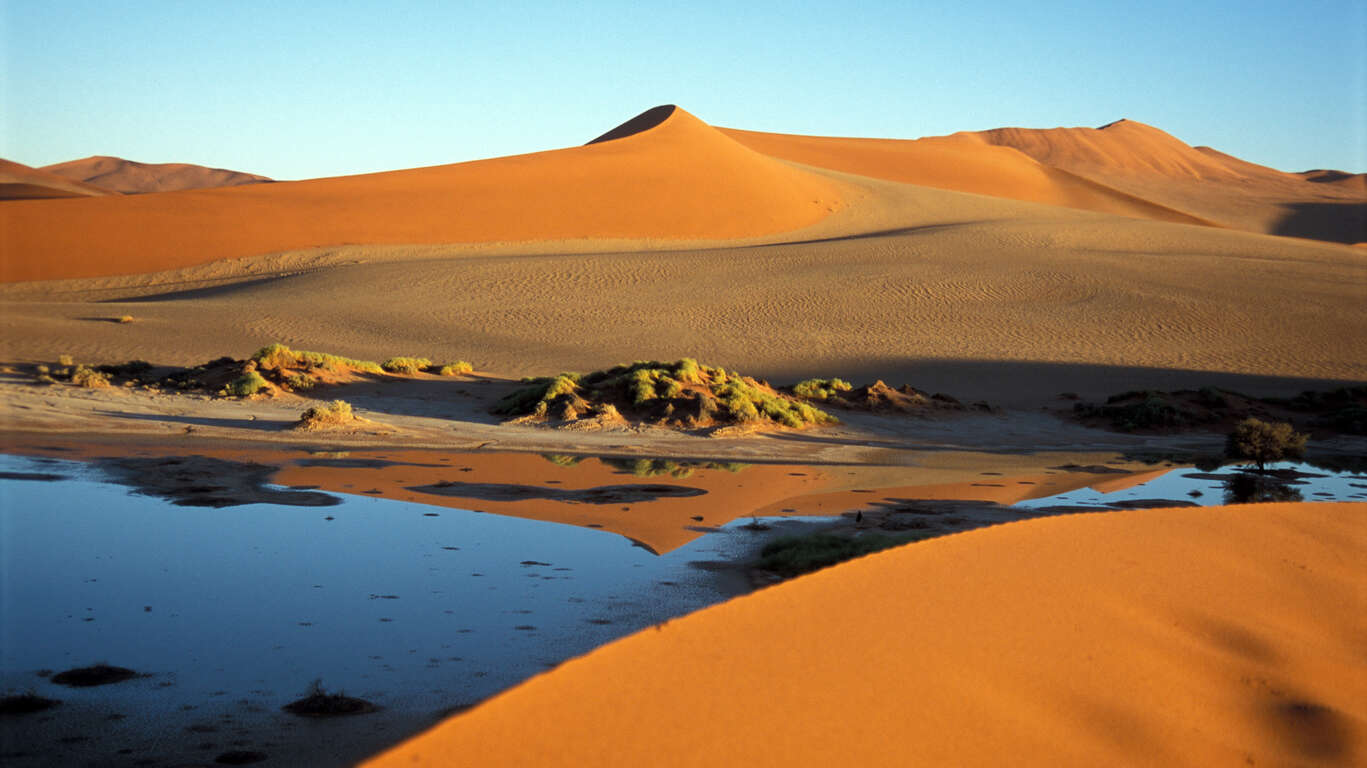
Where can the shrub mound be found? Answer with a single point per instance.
(319, 703)
(99, 674)
(1339, 410)
(878, 397)
(331, 416)
(680, 394)
(25, 704)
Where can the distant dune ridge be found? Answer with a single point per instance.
(21, 182)
(129, 177)
(1179, 637)
(679, 179)
(1125, 167)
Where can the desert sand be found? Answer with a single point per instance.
(680, 179)
(20, 182)
(797, 271)
(1213, 636)
(131, 177)
(1009, 266)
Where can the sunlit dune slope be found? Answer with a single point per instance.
(959, 163)
(131, 177)
(1211, 636)
(21, 182)
(680, 179)
(1123, 146)
(1149, 163)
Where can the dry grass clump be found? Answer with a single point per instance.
(458, 368)
(125, 319)
(337, 413)
(406, 364)
(85, 376)
(821, 389)
(683, 394)
(277, 356)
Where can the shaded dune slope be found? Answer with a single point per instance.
(21, 182)
(680, 179)
(1211, 636)
(130, 177)
(961, 164)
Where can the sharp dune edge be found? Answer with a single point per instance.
(1211, 636)
(130, 177)
(679, 180)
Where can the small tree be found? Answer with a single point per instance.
(1261, 442)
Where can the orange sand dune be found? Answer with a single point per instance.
(680, 179)
(959, 163)
(1148, 163)
(21, 182)
(1124, 146)
(132, 177)
(1212, 636)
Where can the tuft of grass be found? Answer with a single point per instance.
(458, 368)
(821, 389)
(85, 376)
(66, 361)
(791, 556)
(125, 319)
(335, 414)
(405, 364)
(319, 703)
(25, 704)
(246, 385)
(281, 356)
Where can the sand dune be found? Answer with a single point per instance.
(958, 163)
(131, 177)
(20, 182)
(1125, 146)
(678, 180)
(946, 292)
(1212, 636)
(1148, 163)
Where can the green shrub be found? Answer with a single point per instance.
(821, 389)
(247, 384)
(458, 368)
(301, 382)
(281, 356)
(1261, 442)
(406, 364)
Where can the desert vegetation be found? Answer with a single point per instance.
(332, 415)
(682, 394)
(790, 556)
(317, 702)
(1262, 443)
(1339, 410)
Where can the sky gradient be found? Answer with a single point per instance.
(300, 90)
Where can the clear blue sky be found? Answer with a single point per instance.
(297, 90)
